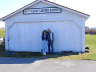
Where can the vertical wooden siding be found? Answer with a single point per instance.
(27, 36)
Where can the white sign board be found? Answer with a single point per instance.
(42, 10)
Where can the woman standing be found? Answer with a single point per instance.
(44, 41)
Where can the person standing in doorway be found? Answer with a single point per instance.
(44, 41)
(50, 40)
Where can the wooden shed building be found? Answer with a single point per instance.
(23, 28)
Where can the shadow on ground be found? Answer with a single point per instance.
(10, 60)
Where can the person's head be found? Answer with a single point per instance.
(44, 31)
(48, 30)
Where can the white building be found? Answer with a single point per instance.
(24, 27)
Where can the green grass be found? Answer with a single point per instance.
(2, 49)
(90, 41)
(23, 55)
(2, 32)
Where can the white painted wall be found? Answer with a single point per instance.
(68, 29)
(27, 36)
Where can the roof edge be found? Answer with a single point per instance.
(68, 8)
(75, 11)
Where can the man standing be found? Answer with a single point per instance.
(50, 40)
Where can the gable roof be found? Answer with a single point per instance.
(46, 1)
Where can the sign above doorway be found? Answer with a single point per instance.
(42, 10)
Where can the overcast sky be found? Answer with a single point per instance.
(85, 6)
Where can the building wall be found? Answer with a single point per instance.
(66, 26)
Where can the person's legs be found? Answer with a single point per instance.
(49, 47)
(45, 47)
(52, 47)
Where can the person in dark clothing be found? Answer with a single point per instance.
(44, 41)
(50, 40)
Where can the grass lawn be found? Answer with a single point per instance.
(2, 32)
(90, 41)
(2, 49)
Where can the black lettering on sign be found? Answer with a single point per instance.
(35, 10)
(56, 9)
(42, 10)
(46, 10)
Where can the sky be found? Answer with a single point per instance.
(85, 6)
